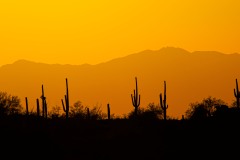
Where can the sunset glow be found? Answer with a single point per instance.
(119, 79)
(94, 31)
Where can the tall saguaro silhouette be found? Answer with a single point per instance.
(163, 102)
(44, 104)
(66, 106)
(108, 111)
(135, 98)
(26, 100)
(237, 94)
(38, 108)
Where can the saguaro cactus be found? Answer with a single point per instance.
(108, 111)
(46, 109)
(38, 108)
(26, 100)
(135, 98)
(163, 102)
(44, 104)
(66, 106)
(237, 94)
(88, 113)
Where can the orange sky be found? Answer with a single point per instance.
(93, 31)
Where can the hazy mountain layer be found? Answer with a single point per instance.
(190, 77)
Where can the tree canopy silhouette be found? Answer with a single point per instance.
(208, 107)
(9, 104)
(77, 111)
(151, 112)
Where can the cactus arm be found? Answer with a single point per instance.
(132, 100)
(138, 101)
(67, 104)
(235, 93)
(66, 98)
(135, 97)
(63, 106)
(43, 102)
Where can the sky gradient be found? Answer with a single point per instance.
(95, 31)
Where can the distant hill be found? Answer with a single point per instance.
(190, 77)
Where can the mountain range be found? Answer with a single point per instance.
(189, 76)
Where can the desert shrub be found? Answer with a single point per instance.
(96, 113)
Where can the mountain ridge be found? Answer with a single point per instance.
(190, 76)
(162, 50)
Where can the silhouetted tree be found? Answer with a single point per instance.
(204, 109)
(233, 104)
(77, 111)
(96, 113)
(9, 105)
(225, 112)
(151, 112)
(55, 112)
(221, 112)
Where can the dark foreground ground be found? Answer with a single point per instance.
(119, 140)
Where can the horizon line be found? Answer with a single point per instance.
(90, 64)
